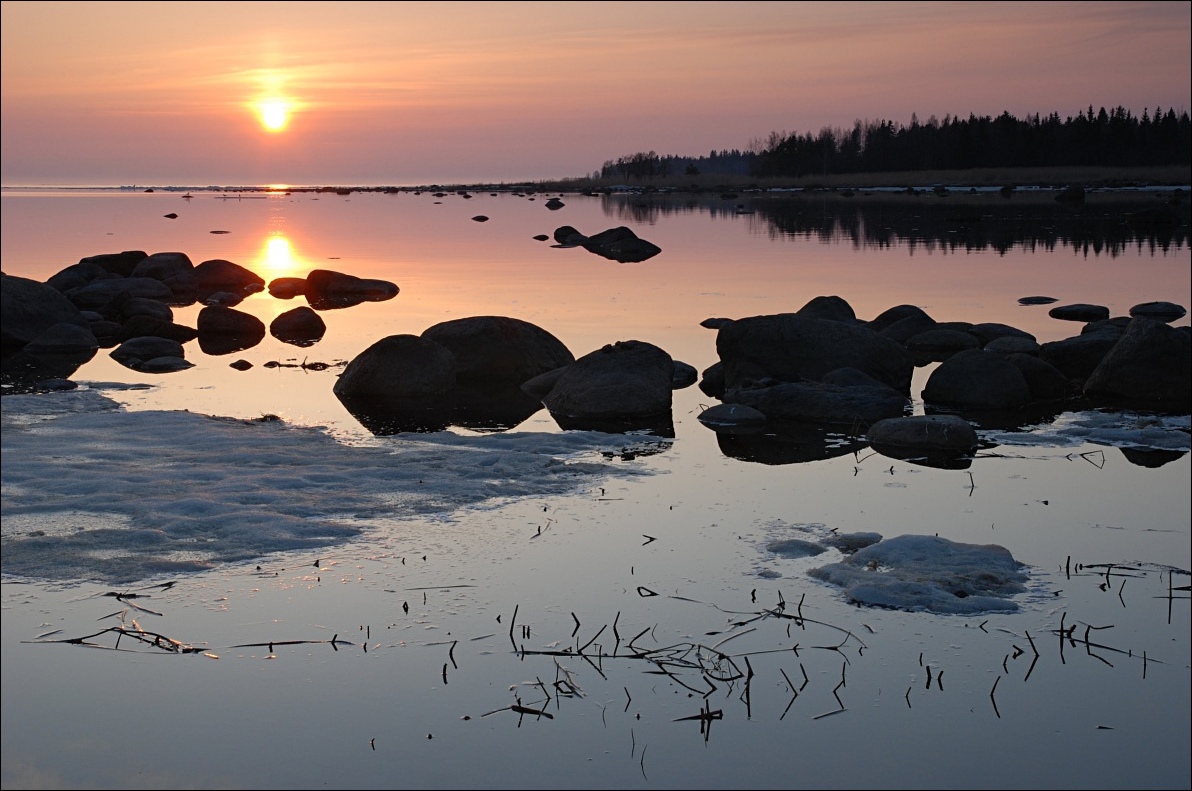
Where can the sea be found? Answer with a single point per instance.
(194, 562)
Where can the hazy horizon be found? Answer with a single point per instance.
(370, 94)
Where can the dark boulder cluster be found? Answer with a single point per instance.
(126, 300)
(822, 365)
(493, 372)
(616, 244)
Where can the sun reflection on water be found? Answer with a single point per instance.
(277, 257)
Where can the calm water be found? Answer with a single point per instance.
(433, 605)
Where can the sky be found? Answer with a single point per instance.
(415, 93)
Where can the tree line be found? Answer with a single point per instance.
(1091, 138)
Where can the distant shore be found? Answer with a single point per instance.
(1167, 177)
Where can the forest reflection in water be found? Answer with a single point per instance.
(1108, 222)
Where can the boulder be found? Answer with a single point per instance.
(1079, 356)
(712, 380)
(121, 264)
(977, 380)
(139, 306)
(66, 342)
(621, 245)
(732, 418)
(898, 313)
(542, 384)
(793, 348)
(136, 351)
(1079, 312)
(398, 366)
(301, 326)
(76, 276)
(685, 375)
(1011, 344)
(1044, 380)
(928, 433)
(98, 293)
(620, 384)
(908, 327)
(829, 308)
(164, 266)
(142, 325)
(1151, 366)
(940, 344)
(29, 308)
(327, 290)
(988, 332)
(226, 330)
(220, 275)
(1159, 311)
(497, 351)
(816, 402)
(287, 287)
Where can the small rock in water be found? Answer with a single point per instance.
(170, 216)
(480, 218)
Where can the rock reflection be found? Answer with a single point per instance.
(473, 408)
(791, 443)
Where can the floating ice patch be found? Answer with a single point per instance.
(929, 573)
(90, 491)
(1113, 429)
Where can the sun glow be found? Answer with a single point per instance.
(278, 257)
(274, 113)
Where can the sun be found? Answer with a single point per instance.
(274, 114)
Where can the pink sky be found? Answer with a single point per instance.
(408, 93)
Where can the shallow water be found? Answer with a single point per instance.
(421, 696)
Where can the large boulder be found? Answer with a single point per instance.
(29, 308)
(398, 366)
(121, 264)
(1079, 312)
(135, 352)
(220, 275)
(164, 266)
(793, 348)
(977, 380)
(76, 276)
(1159, 311)
(817, 402)
(327, 290)
(66, 342)
(301, 326)
(497, 351)
(1150, 366)
(1044, 380)
(830, 308)
(101, 291)
(620, 384)
(987, 332)
(928, 433)
(940, 344)
(141, 325)
(226, 330)
(898, 313)
(1077, 357)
